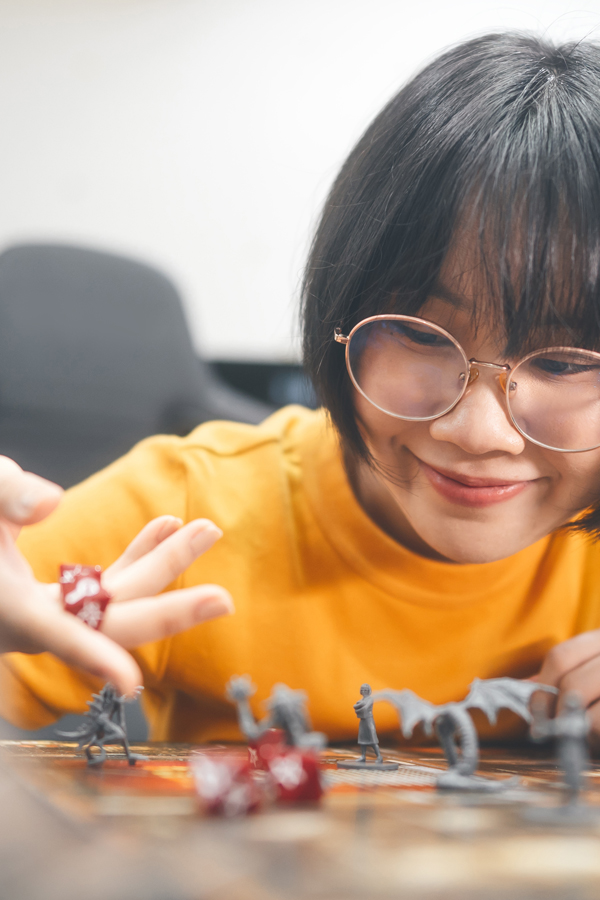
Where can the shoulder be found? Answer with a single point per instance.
(226, 471)
(230, 454)
(163, 462)
(283, 431)
(236, 471)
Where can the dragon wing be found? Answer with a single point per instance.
(411, 709)
(492, 694)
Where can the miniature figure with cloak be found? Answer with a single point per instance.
(367, 736)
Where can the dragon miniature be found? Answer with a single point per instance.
(452, 720)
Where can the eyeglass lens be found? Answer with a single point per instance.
(413, 370)
(554, 398)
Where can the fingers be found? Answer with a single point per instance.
(78, 645)
(574, 665)
(542, 704)
(150, 574)
(585, 680)
(569, 655)
(25, 498)
(153, 618)
(149, 537)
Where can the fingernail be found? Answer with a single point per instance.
(23, 506)
(216, 606)
(171, 524)
(209, 530)
(26, 503)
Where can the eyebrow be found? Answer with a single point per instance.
(439, 290)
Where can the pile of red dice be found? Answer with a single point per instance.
(230, 784)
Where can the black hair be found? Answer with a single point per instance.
(503, 133)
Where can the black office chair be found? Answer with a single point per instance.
(95, 355)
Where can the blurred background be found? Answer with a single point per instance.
(162, 168)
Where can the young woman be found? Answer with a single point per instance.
(428, 524)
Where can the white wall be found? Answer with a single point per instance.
(202, 135)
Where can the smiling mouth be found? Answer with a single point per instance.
(475, 492)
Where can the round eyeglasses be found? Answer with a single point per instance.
(413, 369)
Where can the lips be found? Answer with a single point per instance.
(474, 492)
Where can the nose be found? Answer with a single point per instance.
(480, 423)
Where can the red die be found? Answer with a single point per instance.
(83, 594)
(271, 743)
(225, 784)
(296, 773)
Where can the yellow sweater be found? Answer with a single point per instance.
(325, 600)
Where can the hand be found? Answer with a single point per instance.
(32, 618)
(574, 665)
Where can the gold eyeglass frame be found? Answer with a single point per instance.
(471, 366)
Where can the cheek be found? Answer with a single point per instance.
(382, 433)
(579, 476)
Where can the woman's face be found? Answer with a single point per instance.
(468, 487)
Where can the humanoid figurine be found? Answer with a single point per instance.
(286, 711)
(570, 729)
(105, 724)
(282, 743)
(367, 736)
(450, 719)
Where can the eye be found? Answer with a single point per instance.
(562, 367)
(424, 338)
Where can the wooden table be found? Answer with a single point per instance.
(122, 833)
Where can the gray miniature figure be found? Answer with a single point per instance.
(451, 719)
(367, 736)
(570, 729)
(286, 710)
(106, 724)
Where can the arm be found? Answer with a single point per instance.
(94, 524)
(574, 665)
(239, 689)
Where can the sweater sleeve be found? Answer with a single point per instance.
(94, 523)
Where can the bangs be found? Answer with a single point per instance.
(530, 255)
(537, 218)
(528, 220)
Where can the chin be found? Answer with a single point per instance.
(464, 545)
(478, 556)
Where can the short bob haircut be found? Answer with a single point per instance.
(501, 133)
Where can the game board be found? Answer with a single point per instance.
(374, 834)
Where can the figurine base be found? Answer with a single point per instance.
(97, 760)
(136, 757)
(452, 780)
(369, 765)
